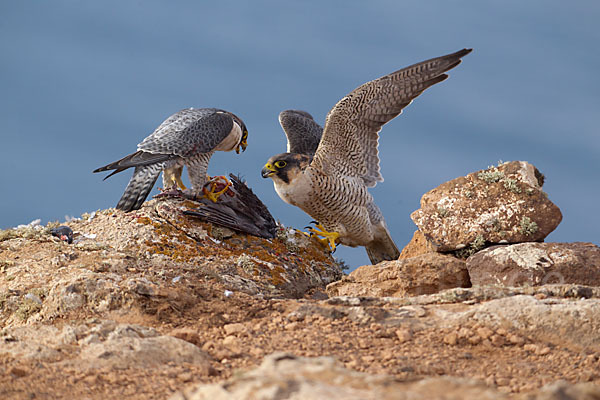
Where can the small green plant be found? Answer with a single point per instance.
(528, 227)
(246, 263)
(511, 184)
(221, 233)
(342, 264)
(478, 243)
(442, 212)
(27, 308)
(286, 236)
(281, 234)
(495, 225)
(472, 248)
(491, 175)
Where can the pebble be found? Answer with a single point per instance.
(368, 359)
(404, 335)
(19, 372)
(497, 340)
(234, 328)
(474, 339)
(515, 339)
(530, 347)
(465, 333)
(543, 351)
(257, 352)
(451, 339)
(485, 332)
(230, 341)
(291, 326)
(336, 339)
(33, 297)
(502, 381)
(185, 376)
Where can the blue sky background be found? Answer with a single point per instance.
(81, 83)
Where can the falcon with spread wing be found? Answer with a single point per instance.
(331, 183)
(187, 138)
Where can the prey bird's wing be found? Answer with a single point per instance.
(244, 212)
(350, 139)
(302, 131)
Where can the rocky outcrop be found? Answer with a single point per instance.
(497, 219)
(48, 278)
(101, 344)
(154, 304)
(536, 264)
(503, 204)
(417, 246)
(286, 376)
(424, 274)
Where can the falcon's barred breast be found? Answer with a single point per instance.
(187, 138)
(330, 184)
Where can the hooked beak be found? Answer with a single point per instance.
(268, 170)
(243, 144)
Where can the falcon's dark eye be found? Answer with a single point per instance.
(280, 164)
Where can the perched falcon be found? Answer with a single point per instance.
(332, 184)
(188, 137)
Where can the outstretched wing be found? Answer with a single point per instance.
(303, 133)
(350, 139)
(188, 132)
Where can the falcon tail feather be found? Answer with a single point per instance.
(139, 187)
(382, 249)
(139, 158)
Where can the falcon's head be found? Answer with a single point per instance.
(283, 168)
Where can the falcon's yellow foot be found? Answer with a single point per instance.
(329, 238)
(218, 186)
(180, 183)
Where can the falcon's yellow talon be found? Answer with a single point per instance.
(180, 183)
(329, 238)
(211, 194)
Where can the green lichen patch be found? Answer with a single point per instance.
(512, 185)
(443, 212)
(31, 231)
(472, 248)
(527, 226)
(491, 175)
(245, 262)
(27, 308)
